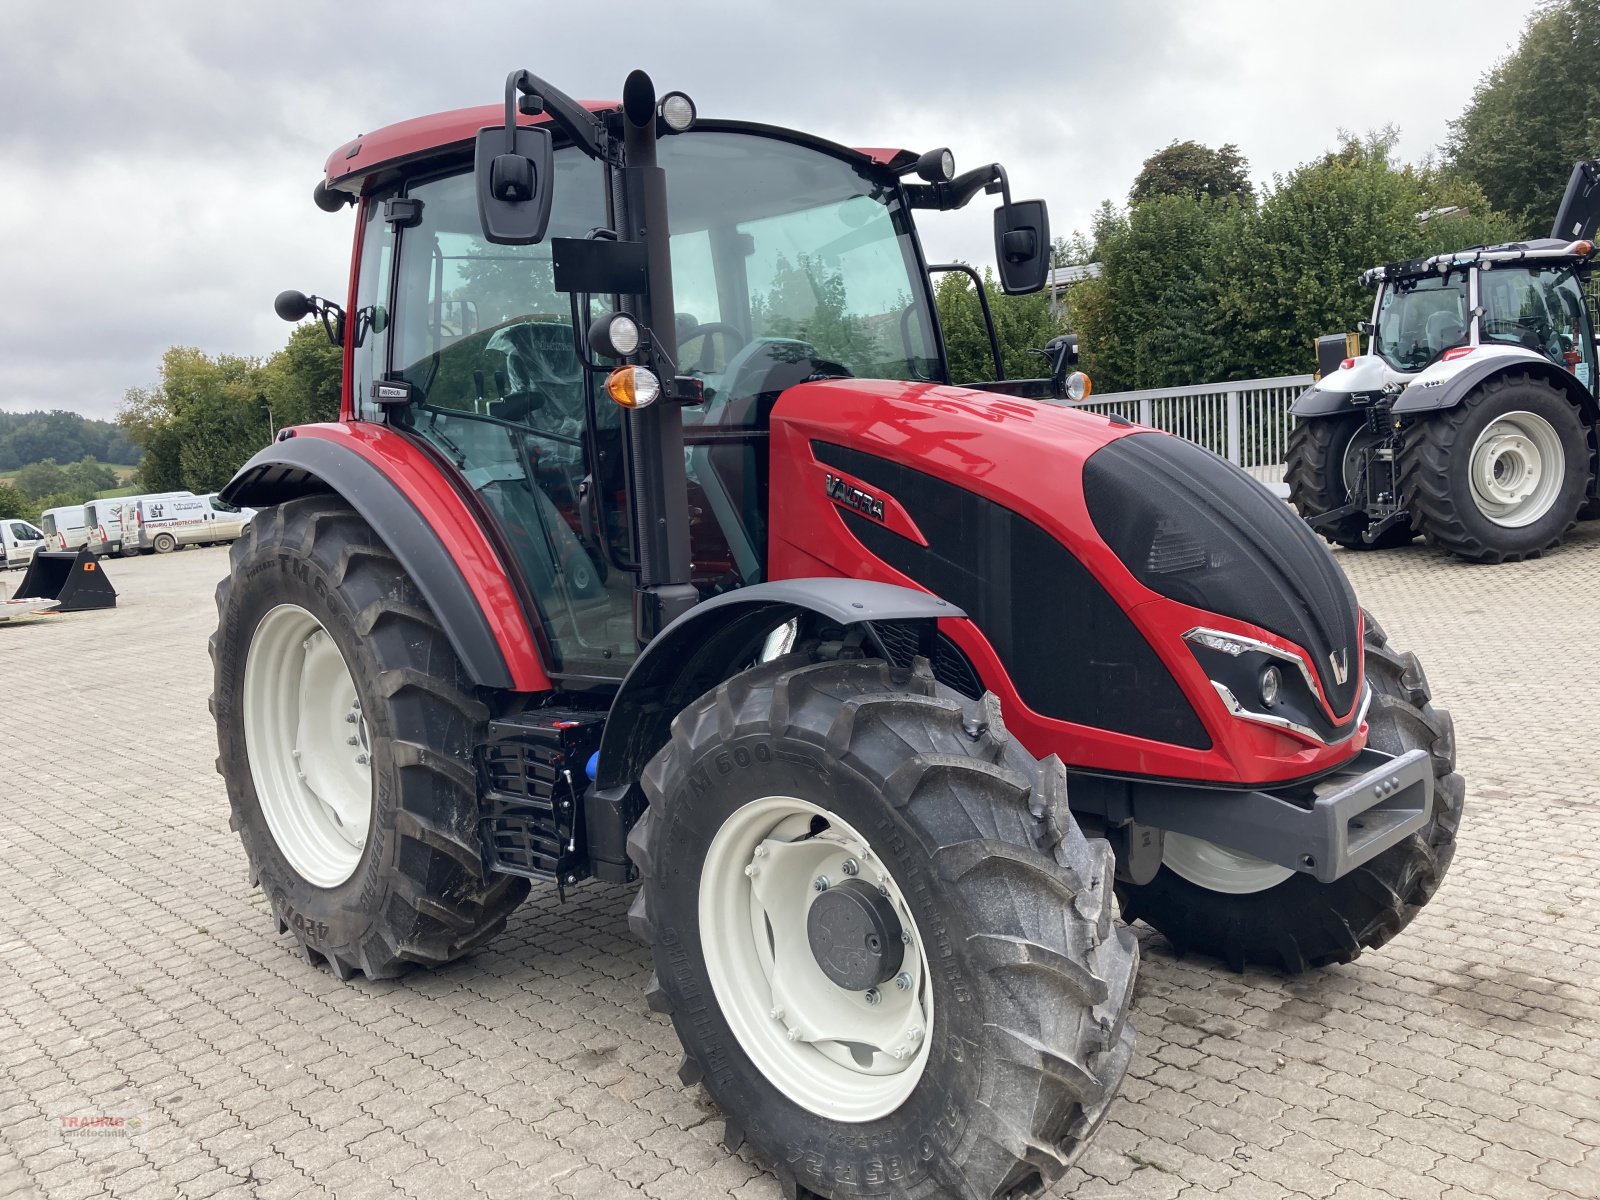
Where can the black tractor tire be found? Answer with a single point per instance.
(1301, 923)
(1033, 975)
(1435, 483)
(1316, 478)
(419, 894)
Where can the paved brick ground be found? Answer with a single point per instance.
(140, 979)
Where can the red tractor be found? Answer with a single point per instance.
(653, 546)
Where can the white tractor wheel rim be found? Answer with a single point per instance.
(1217, 868)
(308, 744)
(836, 1052)
(1517, 469)
(1350, 461)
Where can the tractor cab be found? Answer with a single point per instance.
(1440, 310)
(790, 258)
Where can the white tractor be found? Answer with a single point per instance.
(1472, 418)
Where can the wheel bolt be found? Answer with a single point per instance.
(352, 740)
(903, 981)
(363, 759)
(761, 851)
(914, 1033)
(905, 938)
(776, 1014)
(820, 883)
(883, 890)
(794, 1035)
(351, 718)
(752, 870)
(872, 996)
(851, 867)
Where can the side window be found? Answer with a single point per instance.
(370, 321)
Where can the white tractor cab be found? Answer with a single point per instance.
(65, 528)
(1472, 418)
(19, 539)
(166, 523)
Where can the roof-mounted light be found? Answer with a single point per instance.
(677, 111)
(936, 166)
(1581, 248)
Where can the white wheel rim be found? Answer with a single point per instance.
(1350, 461)
(829, 1050)
(1517, 468)
(308, 744)
(1217, 868)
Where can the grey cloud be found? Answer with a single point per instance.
(156, 160)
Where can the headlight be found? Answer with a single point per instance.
(1271, 685)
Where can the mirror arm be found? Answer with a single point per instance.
(577, 122)
(946, 197)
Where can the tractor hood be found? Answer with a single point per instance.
(1085, 550)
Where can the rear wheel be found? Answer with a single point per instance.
(1501, 476)
(1324, 468)
(346, 727)
(888, 950)
(1215, 901)
(164, 543)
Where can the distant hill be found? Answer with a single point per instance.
(32, 437)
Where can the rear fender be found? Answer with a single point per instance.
(1437, 389)
(424, 521)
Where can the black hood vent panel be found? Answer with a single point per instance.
(1196, 529)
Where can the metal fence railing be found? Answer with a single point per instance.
(1246, 421)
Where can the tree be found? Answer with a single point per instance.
(89, 477)
(42, 478)
(1193, 171)
(13, 503)
(1533, 115)
(301, 382)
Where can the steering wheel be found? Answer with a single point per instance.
(708, 330)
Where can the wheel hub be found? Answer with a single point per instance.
(855, 935)
(1517, 469)
(792, 963)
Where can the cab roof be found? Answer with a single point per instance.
(349, 165)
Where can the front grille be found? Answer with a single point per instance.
(902, 642)
(1195, 528)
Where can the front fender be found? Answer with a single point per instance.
(1320, 402)
(424, 520)
(714, 639)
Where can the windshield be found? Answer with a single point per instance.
(1540, 310)
(1420, 321)
(783, 254)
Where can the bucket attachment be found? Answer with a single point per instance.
(74, 578)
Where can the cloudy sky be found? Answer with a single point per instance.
(157, 159)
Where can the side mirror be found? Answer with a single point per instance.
(514, 167)
(295, 306)
(1022, 246)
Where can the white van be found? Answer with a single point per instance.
(20, 539)
(120, 522)
(164, 523)
(103, 521)
(66, 528)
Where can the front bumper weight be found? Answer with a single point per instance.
(1353, 814)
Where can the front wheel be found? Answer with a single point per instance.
(1501, 476)
(1326, 458)
(888, 950)
(1218, 902)
(346, 727)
